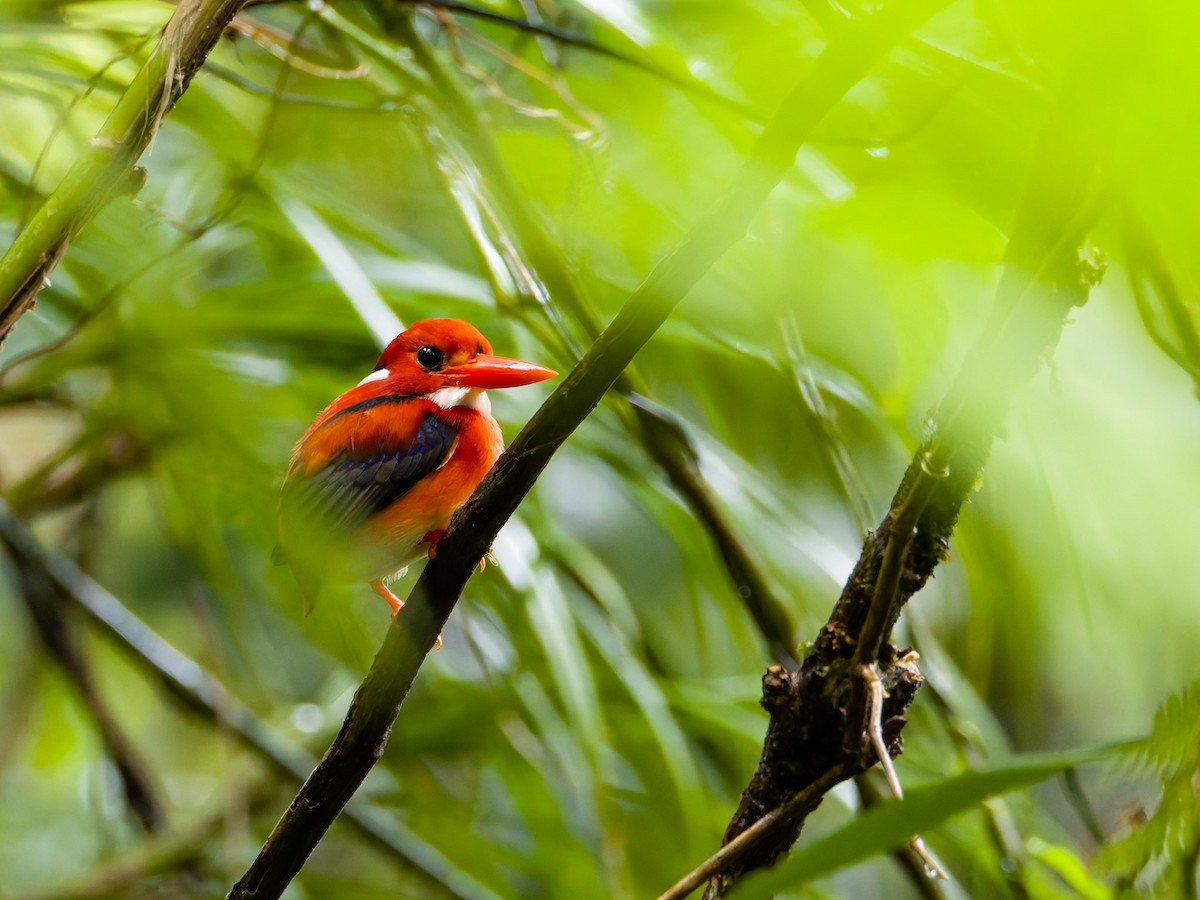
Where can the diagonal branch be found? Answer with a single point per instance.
(590, 45)
(368, 723)
(545, 270)
(45, 604)
(799, 805)
(663, 437)
(108, 161)
(818, 713)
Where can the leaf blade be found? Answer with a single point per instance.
(893, 823)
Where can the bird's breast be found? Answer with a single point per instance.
(431, 502)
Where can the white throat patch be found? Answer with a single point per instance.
(475, 398)
(377, 375)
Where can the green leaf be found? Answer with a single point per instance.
(892, 824)
(1069, 867)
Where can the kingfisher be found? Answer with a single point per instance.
(373, 482)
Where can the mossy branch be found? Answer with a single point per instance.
(106, 166)
(818, 713)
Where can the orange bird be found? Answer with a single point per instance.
(387, 463)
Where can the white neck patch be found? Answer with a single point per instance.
(474, 398)
(377, 375)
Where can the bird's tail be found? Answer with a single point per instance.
(307, 581)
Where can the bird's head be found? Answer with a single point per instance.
(446, 355)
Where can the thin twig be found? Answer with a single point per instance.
(385, 104)
(570, 39)
(283, 46)
(875, 728)
(589, 127)
(903, 518)
(879, 745)
(196, 690)
(44, 601)
(800, 805)
(913, 868)
(900, 524)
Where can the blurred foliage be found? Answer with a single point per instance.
(593, 716)
(1159, 851)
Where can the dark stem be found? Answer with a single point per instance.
(910, 864)
(1042, 280)
(44, 601)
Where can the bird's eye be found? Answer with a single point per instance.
(430, 357)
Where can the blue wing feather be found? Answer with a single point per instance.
(353, 486)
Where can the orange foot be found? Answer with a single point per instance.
(393, 601)
(386, 593)
(433, 537)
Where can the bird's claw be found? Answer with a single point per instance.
(386, 593)
(432, 538)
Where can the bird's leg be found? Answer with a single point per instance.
(393, 601)
(386, 593)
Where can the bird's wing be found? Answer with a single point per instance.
(373, 471)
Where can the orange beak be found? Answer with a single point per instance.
(486, 371)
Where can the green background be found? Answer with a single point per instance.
(593, 717)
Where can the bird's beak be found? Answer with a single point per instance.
(486, 371)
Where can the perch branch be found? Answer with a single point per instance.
(368, 723)
(664, 439)
(108, 162)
